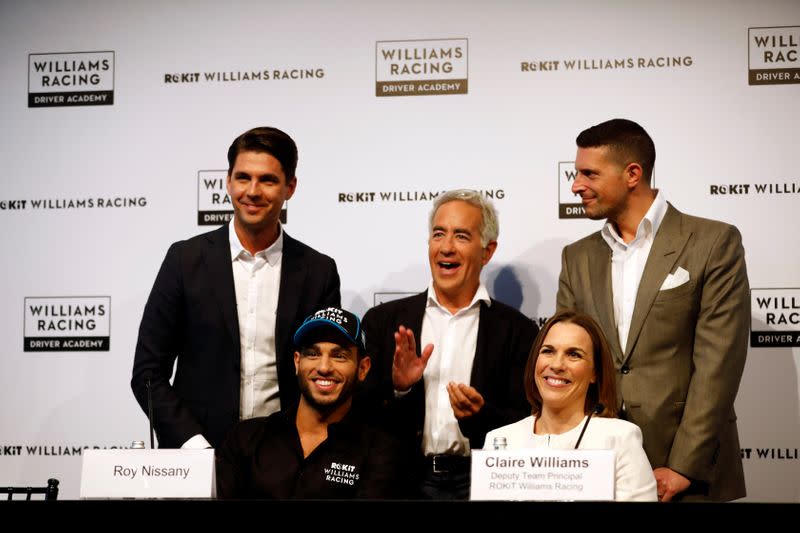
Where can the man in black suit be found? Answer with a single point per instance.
(468, 378)
(225, 304)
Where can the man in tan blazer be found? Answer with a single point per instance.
(671, 293)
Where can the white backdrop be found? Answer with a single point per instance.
(535, 74)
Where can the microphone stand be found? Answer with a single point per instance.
(150, 410)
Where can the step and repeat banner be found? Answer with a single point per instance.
(117, 115)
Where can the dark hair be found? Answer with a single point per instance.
(626, 140)
(603, 390)
(270, 140)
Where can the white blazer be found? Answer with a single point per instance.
(634, 475)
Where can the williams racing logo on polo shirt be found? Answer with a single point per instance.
(341, 473)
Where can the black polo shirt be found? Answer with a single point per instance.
(263, 458)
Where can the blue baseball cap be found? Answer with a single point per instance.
(335, 319)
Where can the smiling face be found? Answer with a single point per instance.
(258, 188)
(327, 373)
(601, 182)
(456, 254)
(565, 368)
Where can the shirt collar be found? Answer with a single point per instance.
(272, 254)
(481, 295)
(648, 226)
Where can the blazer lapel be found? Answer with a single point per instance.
(293, 275)
(667, 245)
(412, 315)
(482, 363)
(599, 269)
(218, 260)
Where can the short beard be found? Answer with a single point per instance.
(329, 406)
(597, 216)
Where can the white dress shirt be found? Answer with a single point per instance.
(257, 280)
(454, 337)
(634, 480)
(628, 261)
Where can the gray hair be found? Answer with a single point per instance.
(490, 226)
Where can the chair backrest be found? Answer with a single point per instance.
(50, 491)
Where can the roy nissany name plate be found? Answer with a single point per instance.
(108, 474)
(546, 475)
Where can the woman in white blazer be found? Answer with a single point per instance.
(571, 386)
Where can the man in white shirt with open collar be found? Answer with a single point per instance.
(468, 378)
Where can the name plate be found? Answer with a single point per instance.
(148, 474)
(542, 474)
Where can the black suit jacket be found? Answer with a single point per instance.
(505, 337)
(191, 315)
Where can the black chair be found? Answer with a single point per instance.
(50, 491)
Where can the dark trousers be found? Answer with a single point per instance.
(450, 482)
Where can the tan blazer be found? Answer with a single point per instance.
(686, 347)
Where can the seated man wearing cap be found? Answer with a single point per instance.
(321, 448)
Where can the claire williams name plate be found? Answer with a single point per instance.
(148, 474)
(542, 474)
